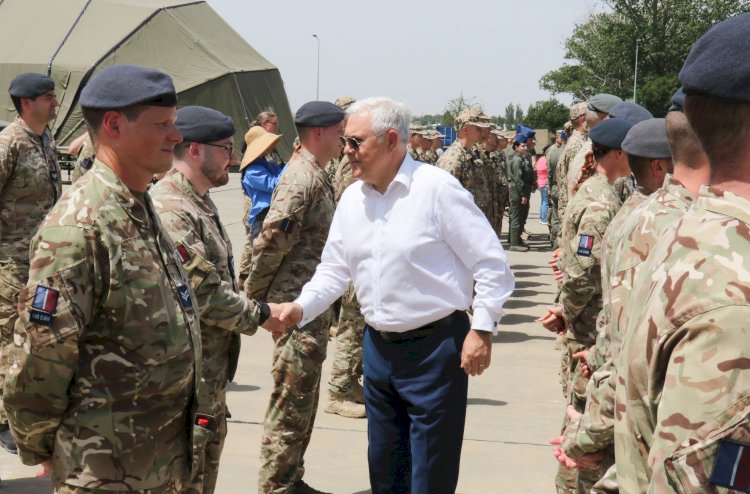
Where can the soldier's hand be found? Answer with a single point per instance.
(524, 200)
(588, 461)
(273, 325)
(291, 314)
(553, 320)
(583, 356)
(477, 352)
(46, 470)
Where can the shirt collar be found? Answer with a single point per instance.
(724, 203)
(403, 176)
(675, 188)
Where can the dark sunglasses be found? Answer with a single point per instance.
(355, 143)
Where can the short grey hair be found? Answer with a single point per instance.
(385, 114)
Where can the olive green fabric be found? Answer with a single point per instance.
(210, 63)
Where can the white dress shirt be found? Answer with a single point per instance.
(416, 254)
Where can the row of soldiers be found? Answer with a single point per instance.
(653, 289)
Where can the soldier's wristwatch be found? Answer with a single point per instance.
(265, 313)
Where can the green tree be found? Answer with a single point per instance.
(548, 114)
(600, 53)
(455, 106)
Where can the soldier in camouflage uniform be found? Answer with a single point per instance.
(522, 180)
(580, 298)
(575, 141)
(107, 316)
(85, 159)
(284, 258)
(189, 215)
(553, 154)
(462, 160)
(649, 157)
(684, 375)
(497, 180)
(29, 187)
(415, 140)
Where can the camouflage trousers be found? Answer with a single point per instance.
(172, 487)
(347, 363)
(570, 480)
(12, 280)
(554, 222)
(247, 251)
(297, 364)
(502, 201)
(204, 478)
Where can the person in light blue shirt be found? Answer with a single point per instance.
(259, 176)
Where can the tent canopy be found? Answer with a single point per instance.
(210, 63)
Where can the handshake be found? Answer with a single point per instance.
(282, 318)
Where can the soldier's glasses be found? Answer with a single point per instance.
(355, 143)
(229, 148)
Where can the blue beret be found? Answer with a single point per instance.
(603, 102)
(564, 135)
(678, 101)
(610, 132)
(630, 111)
(318, 114)
(527, 131)
(30, 85)
(201, 124)
(648, 139)
(719, 62)
(521, 138)
(120, 86)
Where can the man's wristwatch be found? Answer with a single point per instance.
(265, 313)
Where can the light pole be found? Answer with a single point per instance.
(635, 77)
(317, 85)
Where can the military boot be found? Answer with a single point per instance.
(345, 408)
(301, 487)
(6, 440)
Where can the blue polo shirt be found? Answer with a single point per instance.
(259, 180)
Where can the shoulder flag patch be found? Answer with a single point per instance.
(45, 299)
(183, 253)
(732, 466)
(585, 244)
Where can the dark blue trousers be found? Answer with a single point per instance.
(415, 396)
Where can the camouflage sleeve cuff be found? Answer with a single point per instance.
(31, 459)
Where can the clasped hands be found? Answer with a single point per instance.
(283, 316)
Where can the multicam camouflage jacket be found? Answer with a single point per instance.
(29, 187)
(204, 248)
(683, 372)
(574, 144)
(589, 214)
(85, 159)
(109, 320)
(289, 247)
(466, 166)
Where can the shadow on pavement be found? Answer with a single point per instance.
(486, 401)
(524, 274)
(524, 293)
(519, 304)
(242, 387)
(527, 267)
(27, 486)
(510, 319)
(516, 336)
(529, 284)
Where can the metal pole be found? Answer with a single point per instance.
(635, 77)
(317, 86)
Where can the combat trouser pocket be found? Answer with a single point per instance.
(716, 457)
(203, 430)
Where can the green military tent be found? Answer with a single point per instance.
(71, 40)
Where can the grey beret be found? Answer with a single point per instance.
(201, 124)
(603, 102)
(30, 85)
(630, 111)
(318, 114)
(719, 62)
(678, 101)
(610, 132)
(120, 86)
(648, 139)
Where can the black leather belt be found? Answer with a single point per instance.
(426, 330)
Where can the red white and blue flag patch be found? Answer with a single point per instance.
(585, 244)
(732, 466)
(45, 299)
(183, 253)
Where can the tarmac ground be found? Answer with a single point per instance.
(513, 408)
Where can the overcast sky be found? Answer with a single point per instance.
(423, 53)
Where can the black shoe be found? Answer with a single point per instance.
(300, 487)
(6, 440)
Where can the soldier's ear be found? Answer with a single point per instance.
(111, 123)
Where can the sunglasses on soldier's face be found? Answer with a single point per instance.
(355, 143)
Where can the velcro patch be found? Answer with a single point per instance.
(183, 253)
(287, 226)
(184, 295)
(585, 244)
(41, 317)
(45, 299)
(732, 466)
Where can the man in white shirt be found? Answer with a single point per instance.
(417, 248)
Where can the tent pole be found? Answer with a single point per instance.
(239, 92)
(67, 35)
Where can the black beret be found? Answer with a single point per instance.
(719, 62)
(678, 101)
(30, 85)
(648, 139)
(630, 111)
(603, 102)
(201, 124)
(318, 114)
(120, 86)
(610, 132)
